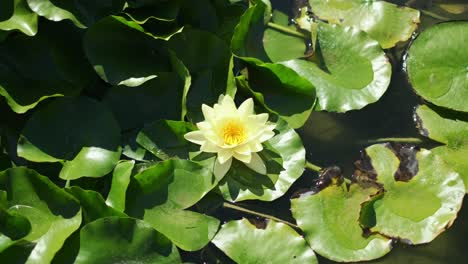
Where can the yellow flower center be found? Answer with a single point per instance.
(233, 132)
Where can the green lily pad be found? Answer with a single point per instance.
(15, 14)
(80, 132)
(53, 213)
(357, 70)
(13, 226)
(284, 157)
(451, 130)
(165, 138)
(420, 209)
(192, 231)
(385, 22)
(142, 11)
(237, 239)
(119, 185)
(159, 98)
(437, 68)
(124, 240)
(330, 221)
(82, 14)
(48, 65)
(113, 47)
(280, 46)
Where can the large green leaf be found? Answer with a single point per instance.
(280, 46)
(53, 213)
(450, 129)
(15, 14)
(192, 231)
(437, 68)
(113, 48)
(284, 157)
(245, 243)
(120, 181)
(78, 131)
(385, 22)
(81, 13)
(330, 221)
(357, 70)
(165, 138)
(124, 240)
(420, 209)
(48, 65)
(144, 10)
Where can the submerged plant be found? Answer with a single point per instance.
(233, 132)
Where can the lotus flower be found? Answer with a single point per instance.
(233, 132)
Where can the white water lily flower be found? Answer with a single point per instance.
(233, 133)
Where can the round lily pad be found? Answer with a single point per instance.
(245, 243)
(420, 209)
(124, 240)
(355, 73)
(15, 14)
(284, 157)
(437, 65)
(79, 131)
(330, 221)
(385, 22)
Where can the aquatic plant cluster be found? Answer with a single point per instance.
(130, 130)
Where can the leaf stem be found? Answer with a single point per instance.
(392, 139)
(67, 184)
(312, 166)
(286, 30)
(245, 210)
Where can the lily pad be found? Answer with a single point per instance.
(82, 14)
(142, 10)
(385, 22)
(437, 68)
(113, 48)
(450, 129)
(48, 65)
(124, 240)
(80, 132)
(284, 157)
(330, 221)
(119, 185)
(357, 70)
(15, 14)
(53, 213)
(420, 209)
(237, 239)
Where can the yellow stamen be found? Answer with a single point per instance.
(233, 132)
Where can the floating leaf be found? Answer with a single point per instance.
(280, 46)
(159, 10)
(237, 239)
(330, 221)
(114, 48)
(124, 240)
(15, 14)
(437, 68)
(420, 209)
(53, 213)
(48, 65)
(357, 70)
(79, 131)
(82, 13)
(450, 129)
(284, 157)
(120, 181)
(165, 138)
(385, 22)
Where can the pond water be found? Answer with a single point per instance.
(336, 139)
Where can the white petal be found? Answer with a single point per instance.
(220, 98)
(255, 146)
(243, 149)
(256, 164)
(208, 113)
(196, 137)
(208, 146)
(243, 157)
(266, 135)
(204, 126)
(220, 170)
(258, 119)
(228, 104)
(224, 155)
(247, 107)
